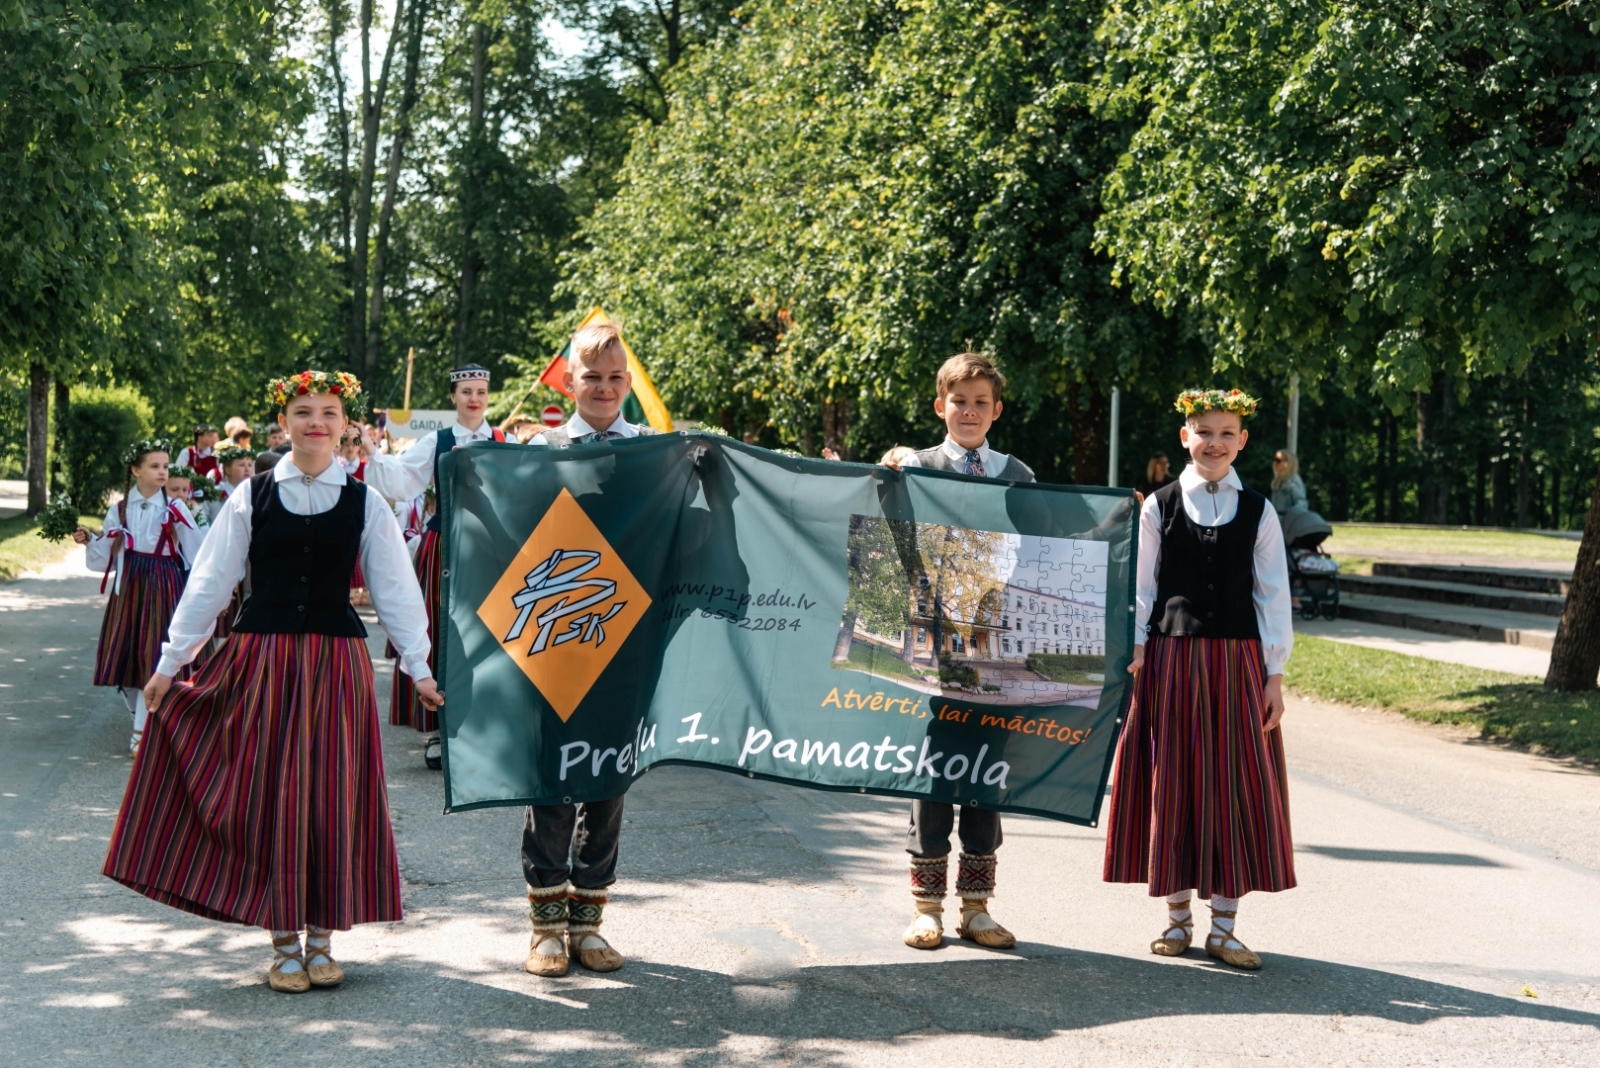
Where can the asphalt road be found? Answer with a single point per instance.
(1440, 878)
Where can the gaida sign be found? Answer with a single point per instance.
(418, 422)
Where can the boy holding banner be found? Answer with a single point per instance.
(569, 851)
(968, 387)
(1201, 799)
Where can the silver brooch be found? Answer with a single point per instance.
(1211, 487)
(143, 505)
(308, 479)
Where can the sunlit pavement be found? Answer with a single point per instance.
(1440, 878)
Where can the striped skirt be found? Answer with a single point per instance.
(258, 793)
(1201, 800)
(404, 708)
(136, 620)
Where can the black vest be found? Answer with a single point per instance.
(300, 565)
(1207, 574)
(446, 441)
(936, 459)
(558, 438)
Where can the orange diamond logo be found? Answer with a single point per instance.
(565, 605)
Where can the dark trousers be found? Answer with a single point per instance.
(932, 822)
(576, 842)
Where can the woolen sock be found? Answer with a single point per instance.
(288, 967)
(1178, 913)
(319, 942)
(1222, 926)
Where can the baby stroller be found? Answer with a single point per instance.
(1313, 574)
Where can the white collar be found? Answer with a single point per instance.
(135, 497)
(956, 451)
(332, 475)
(1192, 480)
(483, 433)
(578, 428)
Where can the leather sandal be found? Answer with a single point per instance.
(1166, 945)
(323, 975)
(288, 982)
(547, 965)
(601, 958)
(925, 936)
(995, 937)
(1216, 947)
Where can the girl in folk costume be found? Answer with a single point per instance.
(1201, 798)
(402, 477)
(149, 539)
(258, 796)
(238, 467)
(201, 455)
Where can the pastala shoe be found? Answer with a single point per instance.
(980, 927)
(1217, 947)
(287, 982)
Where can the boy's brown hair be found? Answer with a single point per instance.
(594, 339)
(966, 366)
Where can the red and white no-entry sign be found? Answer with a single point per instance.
(553, 415)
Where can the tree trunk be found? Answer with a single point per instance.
(58, 466)
(1575, 657)
(1433, 485)
(1499, 491)
(371, 118)
(336, 68)
(391, 181)
(38, 436)
(470, 198)
(1555, 498)
(1524, 470)
(836, 427)
(1090, 429)
(847, 630)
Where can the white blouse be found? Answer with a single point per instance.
(400, 478)
(146, 517)
(221, 566)
(1274, 612)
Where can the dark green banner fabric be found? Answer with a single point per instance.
(688, 599)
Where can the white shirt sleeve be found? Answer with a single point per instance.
(97, 553)
(1149, 567)
(396, 596)
(189, 536)
(218, 568)
(1274, 610)
(402, 477)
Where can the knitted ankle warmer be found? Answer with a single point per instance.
(975, 877)
(588, 909)
(547, 908)
(929, 876)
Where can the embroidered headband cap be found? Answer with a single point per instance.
(140, 449)
(229, 453)
(204, 428)
(1195, 401)
(341, 384)
(468, 373)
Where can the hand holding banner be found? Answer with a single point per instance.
(690, 599)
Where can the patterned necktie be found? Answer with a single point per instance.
(603, 435)
(974, 463)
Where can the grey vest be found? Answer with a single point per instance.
(558, 438)
(937, 459)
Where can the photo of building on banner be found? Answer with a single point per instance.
(1010, 619)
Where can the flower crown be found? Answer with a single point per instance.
(180, 471)
(140, 449)
(205, 489)
(1194, 401)
(229, 453)
(341, 384)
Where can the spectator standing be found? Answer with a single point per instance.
(1157, 473)
(1288, 489)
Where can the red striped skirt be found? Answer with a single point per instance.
(1201, 800)
(404, 708)
(258, 793)
(136, 620)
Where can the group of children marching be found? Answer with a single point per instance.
(258, 796)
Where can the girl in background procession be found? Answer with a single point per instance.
(258, 796)
(356, 468)
(404, 477)
(148, 539)
(1201, 799)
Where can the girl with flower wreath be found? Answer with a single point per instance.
(1201, 799)
(143, 551)
(407, 476)
(258, 795)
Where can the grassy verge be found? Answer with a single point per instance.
(1505, 707)
(1069, 667)
(21, 548)
(865, 657)
(1375, 541)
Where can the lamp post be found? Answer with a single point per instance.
(1116, 434)
(1293, 444)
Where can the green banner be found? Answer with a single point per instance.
(688, 599)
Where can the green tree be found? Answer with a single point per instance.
(1373, 195)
